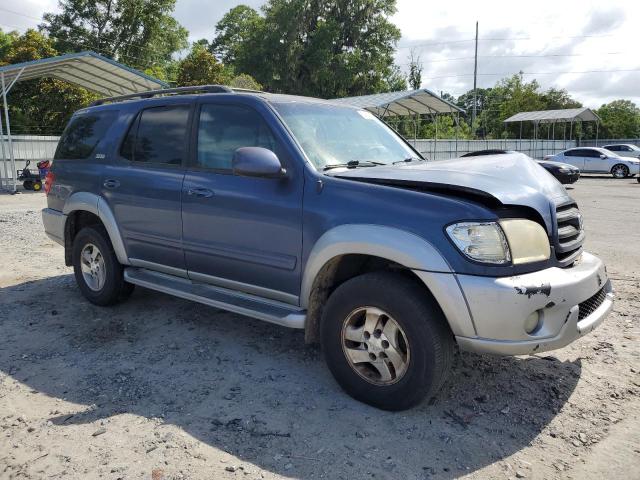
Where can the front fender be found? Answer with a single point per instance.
(401, 247)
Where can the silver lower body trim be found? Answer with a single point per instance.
(233, 301)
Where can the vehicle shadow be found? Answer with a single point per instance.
(595, 176)
(256, 391)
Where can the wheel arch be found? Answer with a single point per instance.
(84, 208)
(350, 250)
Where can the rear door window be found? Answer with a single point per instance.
(83, 134)
(158, 136)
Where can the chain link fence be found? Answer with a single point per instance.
(40, 147)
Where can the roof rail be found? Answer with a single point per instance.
(165, 91)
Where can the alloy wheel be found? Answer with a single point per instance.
(93, 268)
(375, 346)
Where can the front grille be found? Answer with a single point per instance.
(590, 305)
(569, 235)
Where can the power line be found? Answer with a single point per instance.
(536, 73)
(550, 55)
(19, 13)
(503, 39)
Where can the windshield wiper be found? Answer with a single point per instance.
(408, 160)
(353, 164)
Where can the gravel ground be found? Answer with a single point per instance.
(160, 388)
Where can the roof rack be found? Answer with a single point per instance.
(165, 91)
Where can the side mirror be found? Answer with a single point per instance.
(603, 156)
(257, 162)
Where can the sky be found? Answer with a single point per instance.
(583, 46)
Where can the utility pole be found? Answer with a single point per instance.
(475, 78)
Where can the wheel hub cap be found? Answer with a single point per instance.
(92, 266)
(375, 346)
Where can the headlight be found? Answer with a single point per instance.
(482, 242)
(512, 240)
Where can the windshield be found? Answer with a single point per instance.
(335, 135)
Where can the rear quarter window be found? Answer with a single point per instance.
(83, 133)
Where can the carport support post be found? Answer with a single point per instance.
(10, 144)
(520, 147)
(597, 125)
(5, 178)
(457, 129)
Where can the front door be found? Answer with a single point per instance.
(243, 233)
(143, 186)
(593, 162)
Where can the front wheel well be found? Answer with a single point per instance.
(76, 221)
(337, 271)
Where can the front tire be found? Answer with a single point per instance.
(386, 340)
(98, 273)
(620, 171)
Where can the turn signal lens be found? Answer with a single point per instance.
(48, 182)
(528, 241)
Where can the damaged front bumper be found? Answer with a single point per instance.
(568, 302)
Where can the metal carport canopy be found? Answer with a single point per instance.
(85, 69)
(410, 102)
(549, 116)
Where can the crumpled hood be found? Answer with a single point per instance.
(511, 179)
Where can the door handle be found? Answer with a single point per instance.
(111, 183)
(200, 192)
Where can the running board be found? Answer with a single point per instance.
(238, 302)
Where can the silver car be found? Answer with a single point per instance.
(624, 149)
(597, 160)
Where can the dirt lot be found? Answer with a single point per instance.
(162, 388)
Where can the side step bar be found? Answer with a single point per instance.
(237, 302)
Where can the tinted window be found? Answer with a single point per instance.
(614, 148)
(83, 134)
(130, 141)
(571, 153)
(158, 135)
(225, 128)
(591, 153)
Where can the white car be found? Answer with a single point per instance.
(597, 160)
(624, 149)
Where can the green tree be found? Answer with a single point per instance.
(324, 48)
(415, 71)
(200, 67)
(140, 33)
(43, 105)
(6, 39)
(620, 119)
(245, 81)
(233, 30)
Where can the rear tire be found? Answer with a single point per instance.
(620, 171)
(27, 185)
(401, 360)
(98, 273)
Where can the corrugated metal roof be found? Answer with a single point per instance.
(409, 102)
(88, 70)
(548, 116)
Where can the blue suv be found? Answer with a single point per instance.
(318, 216)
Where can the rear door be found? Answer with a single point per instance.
(243, 233)
(574, 157)
(143, 186)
